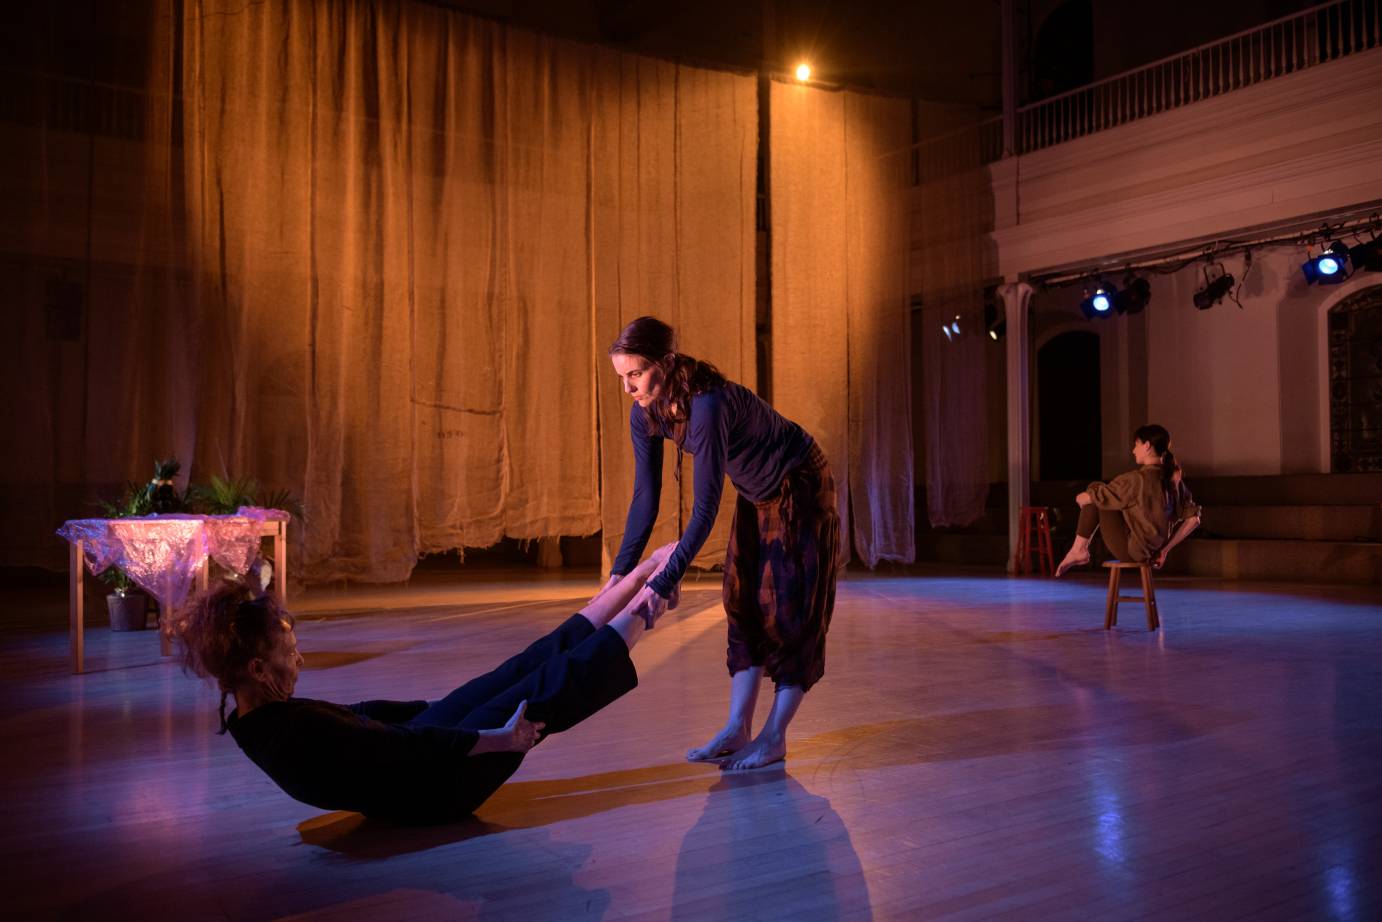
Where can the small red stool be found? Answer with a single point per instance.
(1035, 519)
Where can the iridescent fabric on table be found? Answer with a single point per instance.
(163, 554)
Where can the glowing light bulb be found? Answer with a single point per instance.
(803, 72)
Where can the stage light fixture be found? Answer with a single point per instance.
(1098, 302)
(995, 320)
(1366, 257)
(1133, 297)
(803, 72)
(1329, 267)
(1214, 290)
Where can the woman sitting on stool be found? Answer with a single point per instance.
(1143, 513)
(408, 761)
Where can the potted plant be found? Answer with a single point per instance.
(128, 606)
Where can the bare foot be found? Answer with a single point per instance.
(765, 750)
(1070, 562)
(727, 742)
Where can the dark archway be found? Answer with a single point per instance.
(1068, 407)
(1355, 382)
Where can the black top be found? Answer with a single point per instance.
(730, 430)
(361, 758)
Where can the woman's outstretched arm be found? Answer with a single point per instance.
(1182, 532)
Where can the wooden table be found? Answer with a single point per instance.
(76, 601)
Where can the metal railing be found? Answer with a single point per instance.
(1283, 46)
(1322, 33)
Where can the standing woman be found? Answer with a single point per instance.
(779, 586)
(1143, 513)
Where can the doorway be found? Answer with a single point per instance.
(1070, 441)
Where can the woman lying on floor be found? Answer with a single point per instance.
(408, 761)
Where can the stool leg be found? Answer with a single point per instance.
(1048, 553)
(1149, 599)
(1111, 612)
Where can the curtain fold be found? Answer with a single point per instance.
(674, 154)
(952, 207)
(840, 336)
(415, 234)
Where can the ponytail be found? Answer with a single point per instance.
(1160, 440)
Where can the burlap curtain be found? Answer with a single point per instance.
(840, 335)
(372, 253)
(674, 165)
(419, 231)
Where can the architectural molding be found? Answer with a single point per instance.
(1279, 151)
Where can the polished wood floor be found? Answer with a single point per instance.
(979, 749)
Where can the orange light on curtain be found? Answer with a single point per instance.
(803, 72)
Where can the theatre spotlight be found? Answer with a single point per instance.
(1366, 257)
(951, 329)
(1134, 296)
(1329, 267)
(995, 321)
(803, 72)
(1099, 302)
(1214, 289)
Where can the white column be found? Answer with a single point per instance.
(1017, 299)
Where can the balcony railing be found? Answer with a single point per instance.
(1284, 46)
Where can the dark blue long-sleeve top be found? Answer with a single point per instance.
(731, 430)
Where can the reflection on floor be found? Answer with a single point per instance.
(979, 748)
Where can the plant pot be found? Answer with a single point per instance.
(128, 611)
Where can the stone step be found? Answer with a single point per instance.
(1308, 523)
(1289, 490)
(1276, 490)
(1354, 562)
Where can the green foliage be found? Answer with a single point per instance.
(117, 579)
(224, 495)
(285, 500)
(134, 501)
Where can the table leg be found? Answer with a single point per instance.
(165, 630)
(281, 564)
(76, 604)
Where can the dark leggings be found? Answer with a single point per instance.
(1110, 522)
(565, 677)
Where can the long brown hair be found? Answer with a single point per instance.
(682, 376)
(226, 628)
(1160, 440)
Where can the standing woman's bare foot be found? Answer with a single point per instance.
(728, 741)
(765, 750)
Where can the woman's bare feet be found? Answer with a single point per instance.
(765, 750)
(729, 741)
(1071, 561)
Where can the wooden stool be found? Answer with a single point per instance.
(1148, 596)
(1035, 519)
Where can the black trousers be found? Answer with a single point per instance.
(1110, 523)
(565, 677)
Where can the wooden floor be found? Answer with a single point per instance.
(979, 749)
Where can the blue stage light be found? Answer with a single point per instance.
(1100, 302)
(1329, 267)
